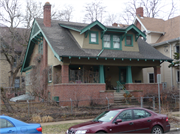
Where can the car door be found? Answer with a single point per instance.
(142, 121)
(127, 124)
(6, 127)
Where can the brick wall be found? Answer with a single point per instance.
(65, 73)
(140, 89)
(83, 91)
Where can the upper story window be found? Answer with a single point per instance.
(177, 49)
(40, 48)
(93, 37)
(111, 42)
(129, 40)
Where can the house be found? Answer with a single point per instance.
(163, 36)
(5, 66)
(88, 59)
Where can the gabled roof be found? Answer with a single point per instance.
(63, 44)
(169, 29)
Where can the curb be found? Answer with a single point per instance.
(174, 129)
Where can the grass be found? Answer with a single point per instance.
(56, 129)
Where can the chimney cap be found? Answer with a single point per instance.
(47, 3)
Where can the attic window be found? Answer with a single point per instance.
(129, 40)
(93, 37)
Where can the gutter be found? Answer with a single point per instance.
(165, 42)
(155, 32)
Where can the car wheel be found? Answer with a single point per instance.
(157, 130)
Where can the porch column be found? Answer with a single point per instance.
(157, 70)
(65, 73)
(101, 72)
(129, 75)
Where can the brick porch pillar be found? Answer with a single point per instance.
(65, 73)
(157, 70)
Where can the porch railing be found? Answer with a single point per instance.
(121, 87)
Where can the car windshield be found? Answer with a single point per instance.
(106, 116)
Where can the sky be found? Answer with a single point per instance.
(112, 6)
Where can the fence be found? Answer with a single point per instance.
(59, 111)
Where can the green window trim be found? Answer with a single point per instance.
(97, 38)
(131, 36)
(40, 48)
(112, 42)
(50, 74)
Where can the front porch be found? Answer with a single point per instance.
(80, 82)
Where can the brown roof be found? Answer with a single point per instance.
(171, 27)
(153, 24)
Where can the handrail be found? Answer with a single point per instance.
(121, 85)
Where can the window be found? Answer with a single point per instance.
(138, 114)
(111, 42)
(107, 41)
(28, 79)
(116, 41)
(129, 40)
(93, 37)
(151, 77)
(50, 74)
(40, 48)
(17, 82)
(177, 49)
(5, 124)
(178, 76)
(125, 115)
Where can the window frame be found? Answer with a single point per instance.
(7, 121)
(111, 42)
(177, 50)
(132, 116)
(178, 81)
(149, 78)
(40, 48)
(97, 38)
(130, 35)
(141, 110)
(50, 75)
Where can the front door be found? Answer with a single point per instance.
(122, 74)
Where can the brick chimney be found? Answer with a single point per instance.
(47, 14)
(115, 24)
(139, 12)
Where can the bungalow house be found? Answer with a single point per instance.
(164, 36)
(88, 59)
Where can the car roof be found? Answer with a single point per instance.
(16, 122)
(129, 108)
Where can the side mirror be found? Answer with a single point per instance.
(118, 121)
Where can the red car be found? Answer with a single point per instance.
(129, 120)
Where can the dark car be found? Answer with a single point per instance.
(129, 120)
(14, 126)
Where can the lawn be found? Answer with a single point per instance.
(57, 129)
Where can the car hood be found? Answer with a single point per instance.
(86, 125)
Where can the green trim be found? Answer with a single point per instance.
(97, 38)
(137, 36)
(88, 27)
(100, 52)
(131, 36)
(27, 68)
(70, 28)
(40, 48)
(35, 35)
(86, 33)
(101, 72)
(111, 42)
(129, 75)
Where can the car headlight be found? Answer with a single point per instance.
(80, 132)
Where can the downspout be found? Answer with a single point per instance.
(171, 67)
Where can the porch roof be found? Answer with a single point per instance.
(65, 45)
